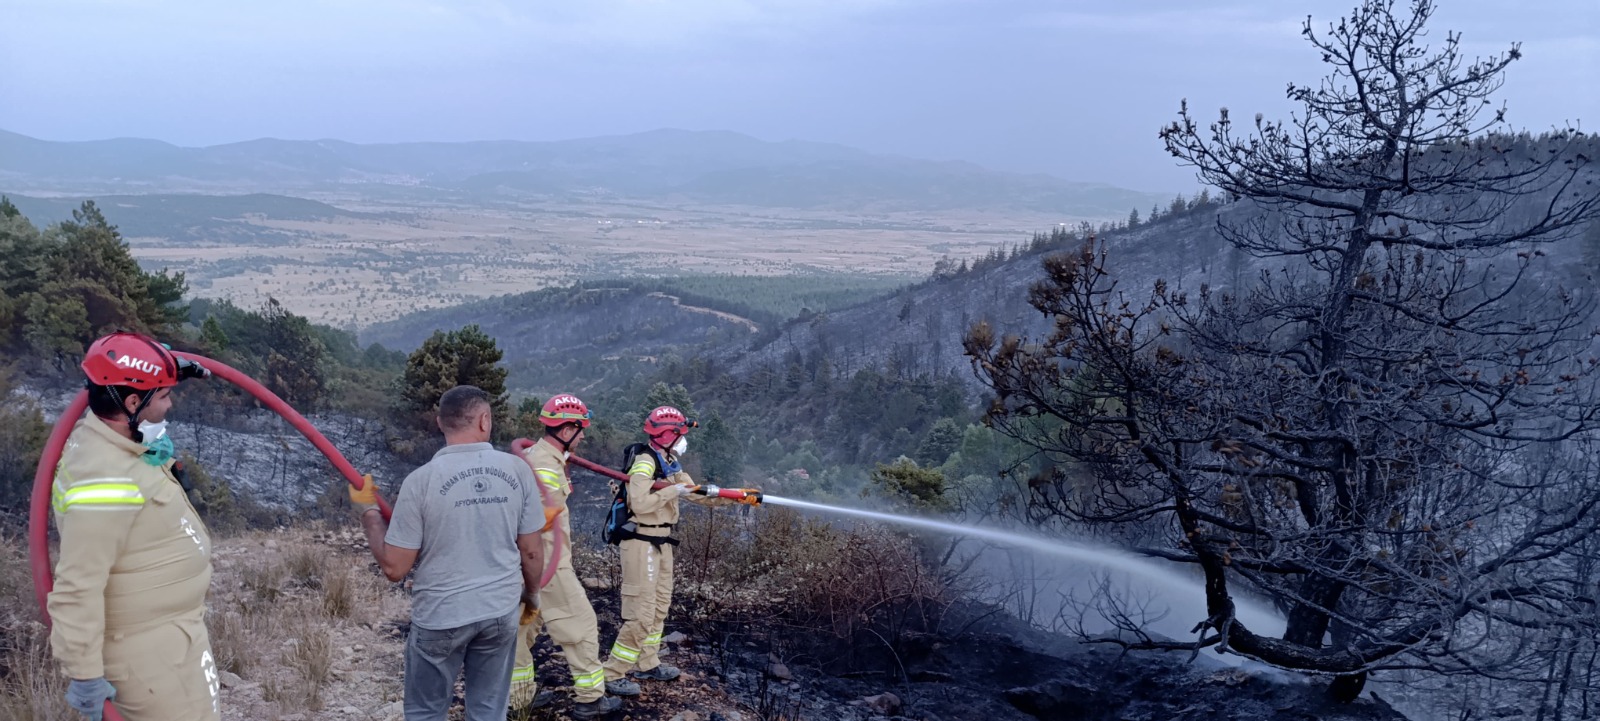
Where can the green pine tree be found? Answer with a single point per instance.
(721, 453)
(905, 480)
(941, 440)
(674, 395)
(212, 337)
(448, 359)
(292, 357)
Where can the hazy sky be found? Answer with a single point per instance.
(1075, 89)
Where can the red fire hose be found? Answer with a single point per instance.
(44, 476)
(597, 468)
(277, 405)
(748, 496)
(39, 503)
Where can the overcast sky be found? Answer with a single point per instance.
(1075, 89)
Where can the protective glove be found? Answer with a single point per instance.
(671, 490)
(550, 516)
(706, 495)
(365, 499)
(89, 697)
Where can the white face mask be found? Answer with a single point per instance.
(152, 431)
(680, 447)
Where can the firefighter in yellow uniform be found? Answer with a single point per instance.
(563, 606)
(128, 607)
(525, 693)
(647, 547)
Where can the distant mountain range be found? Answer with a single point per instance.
(709, 167)
(193, 218)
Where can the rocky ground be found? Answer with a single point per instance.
(304, 628)
(989, 676)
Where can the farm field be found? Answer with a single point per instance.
(389, 259)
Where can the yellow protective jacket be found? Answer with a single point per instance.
(651, 508)
(550, 468)
(134, 553)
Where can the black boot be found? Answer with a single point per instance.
(596, 708)
(663, 672)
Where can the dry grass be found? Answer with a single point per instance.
(312, 648)
(298, 618)
(338, 594)
(241, 623)
(231, 640)
(832, 588)
(264, 584)
(319, 569)
(310, 656)
(287, 593)
(31, 688)
(306, 566)
(237, 635)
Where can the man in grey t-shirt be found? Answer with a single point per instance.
(469, 522)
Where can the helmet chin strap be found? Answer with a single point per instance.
(667, 447)
(566, 446)
(133, 418)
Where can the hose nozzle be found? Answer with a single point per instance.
(747, 496)
(191, 369)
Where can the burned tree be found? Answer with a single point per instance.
(1391, 432)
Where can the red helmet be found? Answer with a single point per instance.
(666, 420)
(130, 359)
(563, 409)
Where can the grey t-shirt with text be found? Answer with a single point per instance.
(463, 510)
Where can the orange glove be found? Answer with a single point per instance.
(550, 515)
(365, 499)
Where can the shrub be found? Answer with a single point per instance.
(851, 592)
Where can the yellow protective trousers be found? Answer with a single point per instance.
(524, 679)
(571, 623)
(646, 597)
(164, 673)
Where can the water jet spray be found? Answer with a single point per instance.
(1174, 584)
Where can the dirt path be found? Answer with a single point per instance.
(731, 318)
